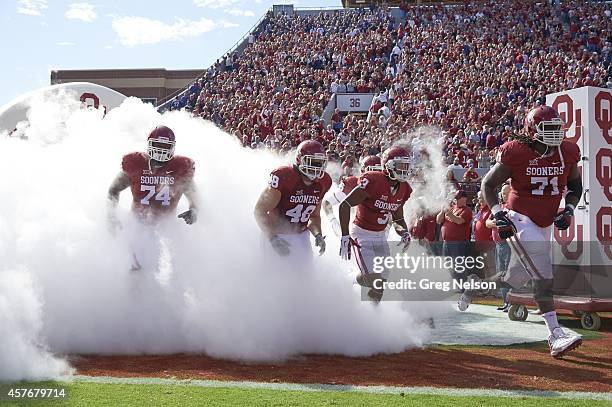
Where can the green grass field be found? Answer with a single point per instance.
(95, 394)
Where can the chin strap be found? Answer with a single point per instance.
(562, 160)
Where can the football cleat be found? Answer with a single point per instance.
(464, 302)
(465, 299)
(560, 343)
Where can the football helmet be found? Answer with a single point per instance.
(396, 163)
(161, 144)
(371, 163)
(311, 159)
(543, 124)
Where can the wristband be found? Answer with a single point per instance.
(572, 207)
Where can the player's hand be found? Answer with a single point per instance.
(505, 227)
(320, 243)
(405, 240)
(190, 217)
(563, 220)
(113, 223)
(280, 245)
(346, 242)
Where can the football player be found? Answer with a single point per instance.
(157, 179)
(379, 197)
(290, 206)
(540, 165)
(347, 184)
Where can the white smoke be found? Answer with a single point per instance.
(432, 190)
(214, 293)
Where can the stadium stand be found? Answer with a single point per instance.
(471, 69)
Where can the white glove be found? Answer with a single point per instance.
(320, 243)
(280, 245)
(405, 240)
(345, 247)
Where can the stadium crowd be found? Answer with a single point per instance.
(471, 70)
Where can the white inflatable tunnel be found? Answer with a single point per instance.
(14, 114)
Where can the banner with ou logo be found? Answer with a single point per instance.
(587, 114)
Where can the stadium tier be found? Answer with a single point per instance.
(471, 69)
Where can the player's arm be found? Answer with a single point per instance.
(268, 200)
(327, 208)
(494, 178)
(314, 223)
(354, 198)
(121, 182)
(399, 223)
(574, 187)
(563, 220)
(401, 228)
(191, 193)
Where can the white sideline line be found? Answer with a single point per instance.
(574, 395)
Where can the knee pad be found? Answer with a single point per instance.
(543, 294)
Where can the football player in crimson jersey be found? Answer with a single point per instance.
(540, 165)
(347, 184)
(290, 206)
(157, 179)
(379, 197)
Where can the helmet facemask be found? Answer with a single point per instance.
(398, 169)
(550, 132)
(160, 150)
(313, 166)
(376, 167)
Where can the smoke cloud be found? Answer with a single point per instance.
(65, 283)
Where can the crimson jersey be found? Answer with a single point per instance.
(298, 200)
(537, 182)
(157, 190)
(347, 184)
(375, 212)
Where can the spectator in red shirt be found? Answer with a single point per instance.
(456, 229)
(481, 231)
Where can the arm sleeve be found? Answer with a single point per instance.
(365, 182)
(127, 164)
(278, 180)
(505, 155)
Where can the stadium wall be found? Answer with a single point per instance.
(151, 85)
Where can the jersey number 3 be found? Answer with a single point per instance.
(163, 195)
(542, 183)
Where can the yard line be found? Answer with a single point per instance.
(437, 391)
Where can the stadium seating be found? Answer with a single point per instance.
(473, 70)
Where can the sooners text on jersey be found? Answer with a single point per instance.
(157, 191)
(298, 200)
(375, 212)
(537, 182)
